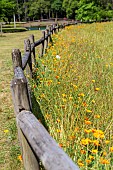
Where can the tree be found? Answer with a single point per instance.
(38, 8)
(56, 7)
(8, 8)
(94, 10)
(70, 6)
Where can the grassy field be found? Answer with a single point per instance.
(9, 147)
(74, 87)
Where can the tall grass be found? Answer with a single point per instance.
(74, 87)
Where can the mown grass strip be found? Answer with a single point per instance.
(10, 158)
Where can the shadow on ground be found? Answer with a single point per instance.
(37, 111)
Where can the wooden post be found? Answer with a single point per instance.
(21, 102)
(58, 27)
(27, 48)
(20, 93)
(42, 47)
(30, 161)
(32, 38)
(50, 38)
(16, 58)
(55, 29)
(47, 40)
(1, 29)
(52, 29)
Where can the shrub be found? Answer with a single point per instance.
(11, 30)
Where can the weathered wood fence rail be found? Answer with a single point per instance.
(36, 143)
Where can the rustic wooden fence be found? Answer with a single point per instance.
(36, 143)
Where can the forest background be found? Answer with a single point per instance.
(29, 10)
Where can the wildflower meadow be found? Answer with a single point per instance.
(73, 85)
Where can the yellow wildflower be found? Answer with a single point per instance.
(64, 100)
(42, 95)
(87, 130)
(93, 81)
(58, 130)
(58, 120)
(81, 94)
(82, 151)
(97, 89)
(75, 86)
(93, 101)
(98, 134)
(56, 77)
(107, 141)
(97, 116)
(84, 104)
(76, 129)
(6, 131)
(96, 142)
(88, 161)
(94, 151)
(104, 161)
(88, 111)
(80, 163)
(85, 141)
(63, 95)
(87, 122)
(91, 157)
(61, 145)
(70, 98)
(20, 158)
(111, 149)
(104, 153)
(47, 115)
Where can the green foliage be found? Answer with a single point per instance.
(70, 6)
(38, 8)
(11, 30)
(57, 5)
(93, 10)
(44, 9)
(7, 9)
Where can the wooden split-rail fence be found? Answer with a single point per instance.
(35, 142)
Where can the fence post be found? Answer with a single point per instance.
(42, 47)
(21, 101)
(47, 39)
(27, 48)
(1, 29)
(55, 28)
(32, 38)
(16, 58)
(50, 38)
(52, 29)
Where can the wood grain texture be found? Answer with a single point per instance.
(29, 159)
(44, 146)
(16, 58)
(19, 88)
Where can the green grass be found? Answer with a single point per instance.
(75, 93)
(9, 146)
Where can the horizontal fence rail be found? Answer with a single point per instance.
(35, 142)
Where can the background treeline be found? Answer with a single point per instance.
(26, 10)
